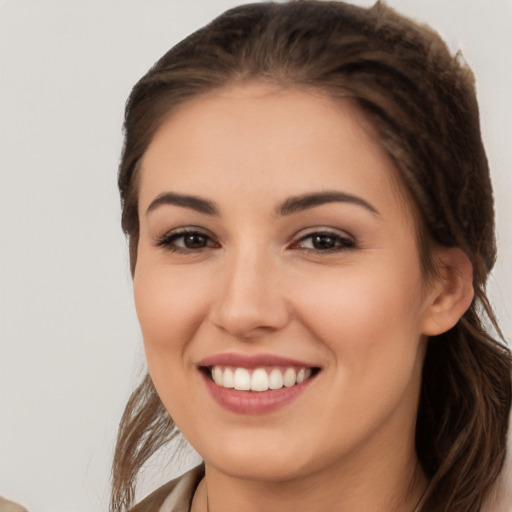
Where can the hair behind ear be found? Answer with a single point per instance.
(463, 415)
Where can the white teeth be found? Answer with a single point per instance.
(258, 379)
(289, 377)
(242, 379)
(228, 380)
(275, 380)
(217, 375)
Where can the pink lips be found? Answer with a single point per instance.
(251, 361)
(250, 402)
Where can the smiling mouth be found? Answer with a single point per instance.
(258, 379)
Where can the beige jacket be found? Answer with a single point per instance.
(174, 496)
(10, 506)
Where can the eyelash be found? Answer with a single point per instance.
(168, 240)
(341, 243)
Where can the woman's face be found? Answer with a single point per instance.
(275, 247)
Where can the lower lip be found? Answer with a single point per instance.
(254, 402)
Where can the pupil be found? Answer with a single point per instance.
(195, 241)
(323, 242)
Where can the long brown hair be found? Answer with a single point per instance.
(422, 102)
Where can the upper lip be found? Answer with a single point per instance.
(252, 361)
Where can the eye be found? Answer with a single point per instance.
(324, 241)
(188, 240)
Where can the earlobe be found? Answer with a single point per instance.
(451, 292)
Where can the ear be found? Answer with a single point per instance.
(451, 291)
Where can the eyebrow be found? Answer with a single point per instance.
(291, 205)
(185, 201)
(306, 201)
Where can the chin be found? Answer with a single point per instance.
(258, 468)
(263, 460)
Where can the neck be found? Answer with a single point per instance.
(393, 485)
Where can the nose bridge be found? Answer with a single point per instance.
(249, 300)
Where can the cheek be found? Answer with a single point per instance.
(371, 329)
(371, 321)
(171, 306)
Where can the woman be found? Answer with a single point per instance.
(310, 218)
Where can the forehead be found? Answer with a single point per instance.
(265, 142)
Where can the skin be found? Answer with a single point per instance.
(361, 311)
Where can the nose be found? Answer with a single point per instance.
(250, 302)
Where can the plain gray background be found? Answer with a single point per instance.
(70, 348)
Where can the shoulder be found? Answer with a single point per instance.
(10, 506)
(174, 496)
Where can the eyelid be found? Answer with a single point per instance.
(346, 239)
(304, 233)
(165, 241)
